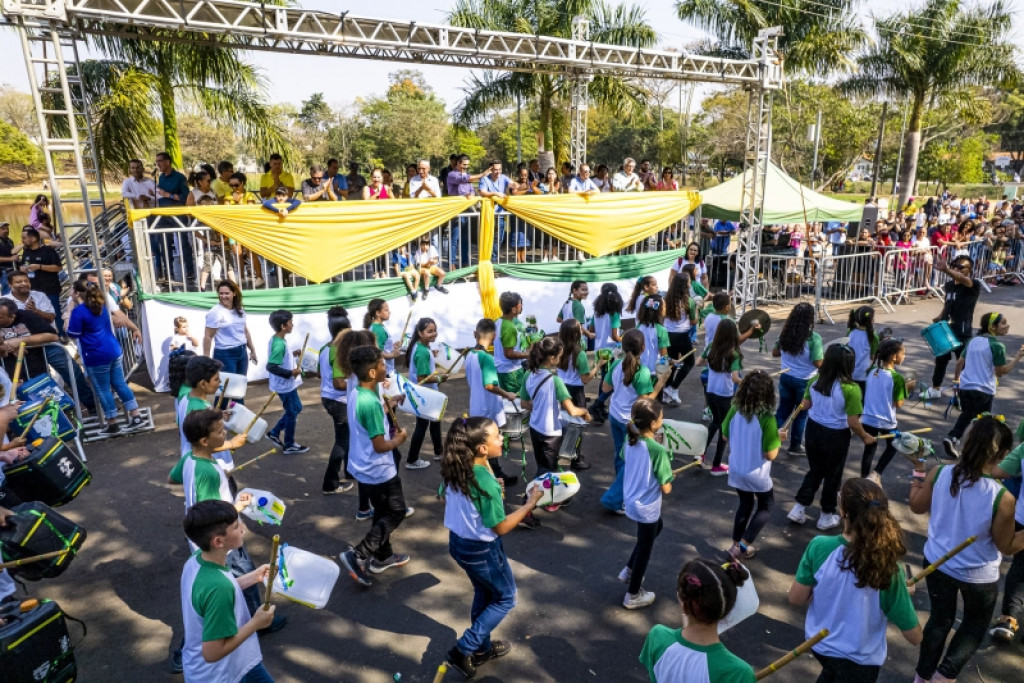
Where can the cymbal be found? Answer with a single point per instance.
(746, 320)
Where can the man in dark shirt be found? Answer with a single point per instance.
(961, 296)
(6, 259)
(442, 177)
(43, 265)
(171, 190)
(23, 326)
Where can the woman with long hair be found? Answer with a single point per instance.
(227, 333)
(800, 349)
(692, 257)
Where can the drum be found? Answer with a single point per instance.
(685, 438)
(240, 419)
(572, 434)
(42, 387)
(421, 401)
(265, 507)
(237, 385)
(558, 487)
(36, 529)
(34, 643)
(310, 360)
(940, 338)
(51, 474)
(51, 423)
(305, 578)
(746, 605)
(517, 420)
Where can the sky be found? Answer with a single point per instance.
(292, 80)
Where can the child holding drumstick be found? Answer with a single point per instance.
(485, 392)
(377, 313)
(724, 365)
(861, 586)
(575, 371)
(422, 370)
(707, 594)
(885, 392)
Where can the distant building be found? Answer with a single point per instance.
(861, 170)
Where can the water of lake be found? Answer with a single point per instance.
(16, 213)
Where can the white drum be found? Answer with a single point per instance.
(685, 438)
(746, 605)
(558, 487)
(572, 434)
(306, 578)
(237, 385)
(517, 419)
(421, 401)
(265, 507)
(240, 419)
(310, 360)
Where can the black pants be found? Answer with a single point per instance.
(679, 345)
(418, 435)
(1013, 590)
(748, 524)
(388, 503)
(545, 450)
(979, 604)
(869, 451)
(826, 458)
(719, 409)
(942, 362)
(339, 451)
(641, 555)
(839, 670)
(972, 404)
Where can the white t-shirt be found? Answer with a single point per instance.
(861, 346)
(953, 520)
(624, 395)
(41, 301)
(700, 270)
(133, 189)
(366, 421)
(984, 353)
(182, 340)
(422, 258)
(480, 371)
(648, 466)
(749, 440)
(883, 390)
(229, 325)
(801, 365)
(710, 326)
(547, 400)
(416, 182)
(831, 410)
(603, 326)
(327, 389)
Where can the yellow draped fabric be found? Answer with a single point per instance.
(322, 239)
(603, 223)
(485, 270)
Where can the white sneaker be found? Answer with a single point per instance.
(706, 415)
(932, 392)
(671, 394)
(875, 477)
(625, 574)
(798, 514)
(417, 464)
(641, 599)
(827, 521)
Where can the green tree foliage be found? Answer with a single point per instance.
(16, 108)
(498, 137)
(17, 150)
(459, 140)
(1009, 126)
(959, 160)
(202, 141)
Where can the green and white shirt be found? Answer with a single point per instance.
(686, 320)
(213, 608)
(855, 617)
(547, 400)
(831, 410)
(481, 373)
(473, 518)
(749, 439)
(884, 389)
(572, 375)
(670, 658)
(655, 339)
(620, 406)
(280, 355)
(801, 365)
(182, 407)
(720, 383)
(384, 343)
(984, 354)
(329, 371)
(202, 480)
(366, 422)
(573, 308)
(510, 335)
(422, 364)
(648, 466)
(864, 349)
(603, 326)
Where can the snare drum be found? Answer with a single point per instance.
(237, 385)
(517, 420)
(940, 338)
(572, 434)
(421, 401)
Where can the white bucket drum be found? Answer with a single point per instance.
(517, 419)
(306, 578)
(310, 360)
(747, 603)
(421, 401)
(572, 434)
(240, 419)
(558, 487)
(237, 385)
(685, 438)
(265, 507)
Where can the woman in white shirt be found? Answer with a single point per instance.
(226, 332)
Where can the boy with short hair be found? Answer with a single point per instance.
(372, 464)
(509, 351)
(285, 379)
(202, 374)
(220, 634)
(485, 392)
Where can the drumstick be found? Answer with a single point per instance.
(780, 372)
(223, 401)
(405, 327)
(686, 355)
(17, 371)
(302, 352)
(695, 463)
(790, 656)
(257, 415)
(35, 417)
(939, 562)
(272, 574)
(442, 669)
(462, 354)
(792, 416)
(34, 558)
(258, 457)
(895, 434)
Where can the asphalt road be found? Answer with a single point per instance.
(569, 624)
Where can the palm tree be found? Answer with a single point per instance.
(820, 35)
(931, 55)
(619, 25)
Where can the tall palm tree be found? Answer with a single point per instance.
(820, 35)
(619, 25)
(931, 55)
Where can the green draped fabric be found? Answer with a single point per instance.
(592, 270)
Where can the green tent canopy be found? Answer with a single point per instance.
(782, 202)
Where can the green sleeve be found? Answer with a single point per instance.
(873, 344)
(578, 311)
(278, 348)
(509, 335)
(369, 414)
(332, 359)
(852, 399)
(662, 337)
(661, 462)
(737, 363)
(523, 393)
(421, 361)
(582, 364)
(642, 382)
(207, 482)
(380, 333)
(1011, 464)
(693, 311)
(488, 503)
(176, 472)
(769, 433)
(998, 352)
(705, 352)
(899, 387)
(698, 289)
(616, 321)
(611, 369)
(215, 604)
(815, 348)
(658, 640)
(488, 371)
(561, 393)
(728, 418)
(814, 556)
(725, 667)
(896, 603)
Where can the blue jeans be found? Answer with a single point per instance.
(457, 258)
(104, 377)
(791, 393)
(58, 322)
(257, 674)
(612, 498)
(494, 588)
(58, 360)
(292, 408)
(499, 235)
(234, 359)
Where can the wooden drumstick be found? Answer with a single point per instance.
(258, 457)
(780, 372)
(686, 355)
(302, 353)
(35, 417)
(401, 339)
(272, 574)
(695, 463)
(462, 354)
(17, 371)
(34, 558)
(257, 416)
(223, 401)
(442, 669)
(939, 562)
(789, 420)
(895, 434)
(790, 656)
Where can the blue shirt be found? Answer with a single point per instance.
(340, 183)
(95, 335)
(174, 183)
(458, 184)
(499, 185)
(723, 235)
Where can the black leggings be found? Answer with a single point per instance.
(747, 527)
(719, 409)
(942, 362)
(972, 404)
(869, 451)
(641, 555)
(679, 345)
(545, 450)
(418, 435)
(840, 670)
(826, 456)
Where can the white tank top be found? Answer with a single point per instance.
(954, 520)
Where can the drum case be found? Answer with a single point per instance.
(35, 646)
(52, 474)
(36, 529)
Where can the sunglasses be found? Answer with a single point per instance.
(234, 185)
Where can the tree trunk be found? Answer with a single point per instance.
(911, 151)
(172, 145)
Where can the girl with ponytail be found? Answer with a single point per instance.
(647, 474)
(627, 380)
(419, 358)
(607, 326)
(707, 592)
(885, 390)
(377, 313)
(645, 286)
(864, 342)
(474, 514)
(862, 587)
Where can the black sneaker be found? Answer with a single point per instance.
(952, 446)
(376, 567)
(175, 665)
(356, 567)
(276, 440)
(797, 450)
(530, 521)
(499, 648)
(296, 448)
(112, 429)
(461, 663)
(580, 463)
(442, 289)
(423, 295)
(136, 422)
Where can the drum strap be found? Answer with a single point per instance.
(52, 528)
(536, 390)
